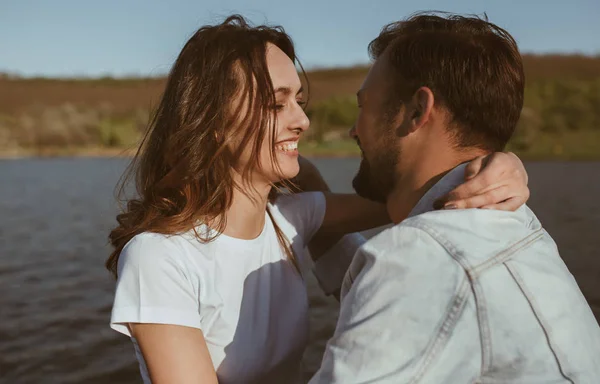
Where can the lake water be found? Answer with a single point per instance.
(56, 296)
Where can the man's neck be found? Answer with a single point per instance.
(414, 182)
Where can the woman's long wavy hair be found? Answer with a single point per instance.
(183, 166)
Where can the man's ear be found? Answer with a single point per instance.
(422, 104)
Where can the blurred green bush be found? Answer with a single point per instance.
(560, 118)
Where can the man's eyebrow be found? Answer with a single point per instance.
(358, 94)
(287, 90)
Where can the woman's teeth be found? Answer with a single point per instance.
(288, 146)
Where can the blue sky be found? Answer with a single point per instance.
(67, 38)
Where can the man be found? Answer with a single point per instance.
(451, 296)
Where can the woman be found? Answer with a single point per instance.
(208, 258)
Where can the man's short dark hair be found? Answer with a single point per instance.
(472, 66)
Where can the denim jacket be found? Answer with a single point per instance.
(462, 296)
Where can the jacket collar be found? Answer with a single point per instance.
(451, 180)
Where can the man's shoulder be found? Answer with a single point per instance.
(404, 252)
(477, 233)
(407, 243)
(403, 235)
(442, 239)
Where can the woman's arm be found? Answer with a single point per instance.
(157, 303)
(344, 213)
(174, 353)
(497, 181)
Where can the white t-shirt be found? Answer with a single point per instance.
(246, 297)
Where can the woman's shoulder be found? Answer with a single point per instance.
(303, 211)
(291, 204)
(150, 249)
(151, 242)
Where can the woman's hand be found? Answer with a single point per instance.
(497, 181)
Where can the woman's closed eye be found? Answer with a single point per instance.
(281, 106)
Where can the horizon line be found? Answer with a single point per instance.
(15, 75)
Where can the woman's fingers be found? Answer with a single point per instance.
(474, 167)
(509, 196)
(472, 189)
(487, 176)
(499, 179)
(493, 196)
(509, 205)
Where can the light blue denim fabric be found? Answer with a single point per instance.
(462, 296)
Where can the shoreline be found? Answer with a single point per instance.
(127, 154)
(65, 153)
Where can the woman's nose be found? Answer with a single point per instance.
(302, 122)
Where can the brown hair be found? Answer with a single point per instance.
(182, 168)
(472, 66)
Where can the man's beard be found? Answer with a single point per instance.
(375, 180)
